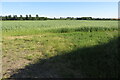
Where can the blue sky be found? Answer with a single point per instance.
(62, 9)
(59, 0)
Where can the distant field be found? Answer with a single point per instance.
(58, 26)
(60, 48)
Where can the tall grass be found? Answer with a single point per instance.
(58, 26)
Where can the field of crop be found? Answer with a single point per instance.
(36, 27)
(60, 48)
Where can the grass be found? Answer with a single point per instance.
(69, 44)
(18, 28)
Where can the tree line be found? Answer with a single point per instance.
(29, 17)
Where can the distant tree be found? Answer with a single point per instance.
(78, 18)
(21, 18)
(9, 17)
(41, 18)
(97, 19)
(30, 17)
(72, 18)
(26, 18)
(68, 18)
(45, 18)
(85, 18)
(54, 18)
(14, 17)
(33, 18)
(37, 17)
(60, 18)
(6, 17)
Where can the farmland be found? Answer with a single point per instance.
(60, 48)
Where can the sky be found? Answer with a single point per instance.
(62, 9)
(60, 0)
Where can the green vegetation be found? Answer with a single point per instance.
(60, 48)
(29, 17)
(56, 26)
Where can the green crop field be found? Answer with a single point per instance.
(58, 26)
(60, 48)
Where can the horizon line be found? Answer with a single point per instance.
(24, 15)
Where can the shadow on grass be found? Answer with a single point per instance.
(101, 61)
